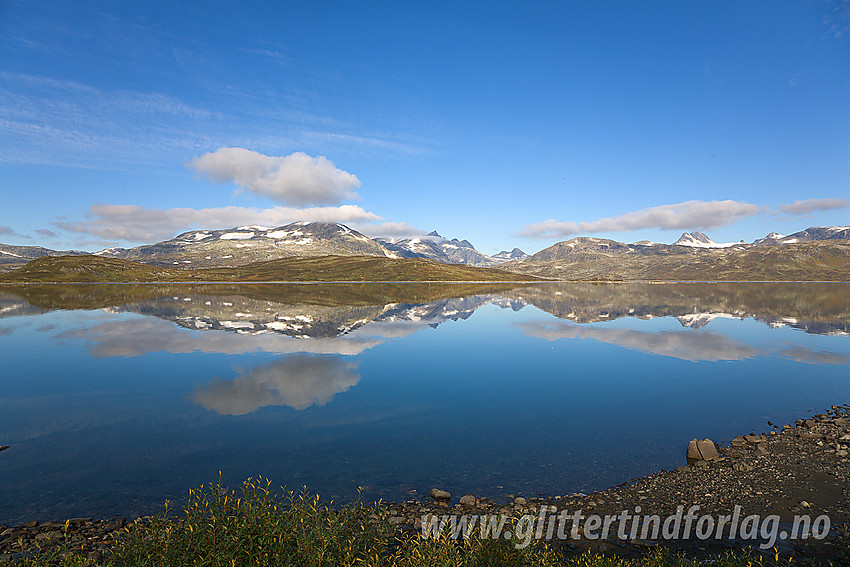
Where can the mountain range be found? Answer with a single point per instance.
(700, 240)
(247, 244)
(817, 253)
(453, 251)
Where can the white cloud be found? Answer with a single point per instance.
(396, 229)
(296, 179)
(297, 381)
(136, 223)
(7, 230)
(690, 215)
(810, 205)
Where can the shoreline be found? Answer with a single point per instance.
(796, 469)
(799, 469)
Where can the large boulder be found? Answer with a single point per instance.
(704, 450)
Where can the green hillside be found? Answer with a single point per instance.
(96, 269)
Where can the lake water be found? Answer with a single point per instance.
(116, 397)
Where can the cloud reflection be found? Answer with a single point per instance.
(675, 344)
(136, 337)
(807, 356)
(298, 381)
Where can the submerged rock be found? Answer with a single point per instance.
(438, 494)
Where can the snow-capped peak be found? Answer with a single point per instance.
(700, 240)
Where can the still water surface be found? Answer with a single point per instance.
(115, 398)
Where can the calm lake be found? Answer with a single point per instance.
(117, 397)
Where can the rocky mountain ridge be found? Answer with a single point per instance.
(243, 245)
(454, 251)
(816, 254)
(247, 244)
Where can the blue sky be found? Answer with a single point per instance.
(504, 123)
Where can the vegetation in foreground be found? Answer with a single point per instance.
(97, 269)
(255, 526)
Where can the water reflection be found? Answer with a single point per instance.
(324, 311)
(120, 395)
(297, 381)
(800, 354)
(136, 337)
(676, 344)
(818, 308)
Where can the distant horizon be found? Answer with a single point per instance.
(509, 126)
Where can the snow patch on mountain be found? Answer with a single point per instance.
(237, 236)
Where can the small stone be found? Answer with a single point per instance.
(683, 468)
(841, 453)
(468, 500)
(396, 520)
(701, 464)
(742, 467)
(809, 423)
(439, 495)
(805, 504)
(810, 436)
(520, 501)
(29, 525)
(754, 438)
(760, 451)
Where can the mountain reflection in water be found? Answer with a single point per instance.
(122, 395)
